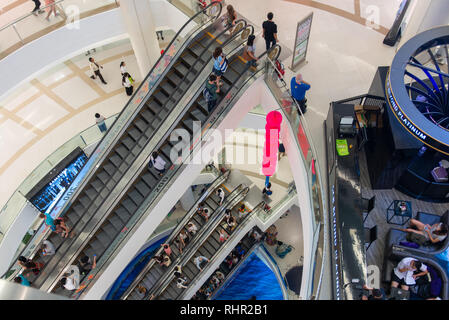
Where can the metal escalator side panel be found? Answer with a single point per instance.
(225, 247)
(216, 218)
(218, 181)
(234, 198)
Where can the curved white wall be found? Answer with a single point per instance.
(61, 44)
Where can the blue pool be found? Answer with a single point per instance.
(254, 278)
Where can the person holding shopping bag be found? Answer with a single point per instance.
(127, 82)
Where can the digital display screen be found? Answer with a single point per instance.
(47, 197)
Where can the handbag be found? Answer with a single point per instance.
(224, 66)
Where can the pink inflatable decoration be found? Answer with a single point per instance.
(271, 147)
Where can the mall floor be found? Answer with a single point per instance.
(46, 111)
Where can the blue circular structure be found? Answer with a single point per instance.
(417, 88)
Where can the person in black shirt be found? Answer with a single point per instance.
(270, 31)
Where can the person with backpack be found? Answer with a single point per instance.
(210, 92)
(270, 31)
(299, 88)
(157, 162)
(220, 64)
(99, 119)
(267, 190)
(127, 82)
(249, 52)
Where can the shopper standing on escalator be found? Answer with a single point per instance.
(220, 64)
(210, 92)
(270, 31)
(229, 18)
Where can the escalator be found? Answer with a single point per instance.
(152, 271)
(208, 291)
(236, 80)
(97, 228)
(210, 247)
(233, 199)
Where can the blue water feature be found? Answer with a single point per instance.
(254, 279)
(132, 270)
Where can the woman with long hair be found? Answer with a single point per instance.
(249, 52)
(219, 61)
(229, 18)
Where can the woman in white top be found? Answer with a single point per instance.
(122, 67)
(158, 163)
(192, 228)
(127, 82)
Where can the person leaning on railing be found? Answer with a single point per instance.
(298, 89)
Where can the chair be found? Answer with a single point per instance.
(370, 236)
(368, 206)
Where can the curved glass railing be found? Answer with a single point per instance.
(303, 138)
(29, 27)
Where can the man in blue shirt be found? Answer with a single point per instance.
(299, 87)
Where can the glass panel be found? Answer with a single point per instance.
(10, 210)
(33, 178)
(64, 150)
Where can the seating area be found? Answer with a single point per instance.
(399, 246)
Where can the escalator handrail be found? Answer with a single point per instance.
(224, 246)
(198, 240)
(106, 151)
(221, 179)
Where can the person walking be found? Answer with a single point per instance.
(299, 88)
(123, 67)
(267, 190)
(99, 119)
(50, 7)
(157, 162)
(270, 31)
(210, 92)
(223, 236)
(95, 68)
(220, 193)
(249, 52)
(127, 82)
(37, 7)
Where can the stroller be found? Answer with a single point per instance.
(283, 249)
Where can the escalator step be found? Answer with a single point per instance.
(156, 123)
(122, 169)
(189, 58)
(197, 49)
(188, 124)
(122, 151)
(141, 125)
(143, 141)
(128, 142)
(85, 201)
(130, 159)
(135, 134)
(91, 193)
(116, 160)
(97, 185)
(124, 215)
(143, 188)
(79, 209)
(149, 132)
(154, 106)
(110, 230)
(116, 222)
(161, 97)
(149, 180)
(168, 88)
(136, 150)
(104, 238)
(199, 115)
(97, 246)
(136, 197)
(129, 205)
(147, 114)
(109, 168)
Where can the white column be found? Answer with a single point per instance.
(140, 26)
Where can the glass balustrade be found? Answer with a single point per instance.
(279, 89)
